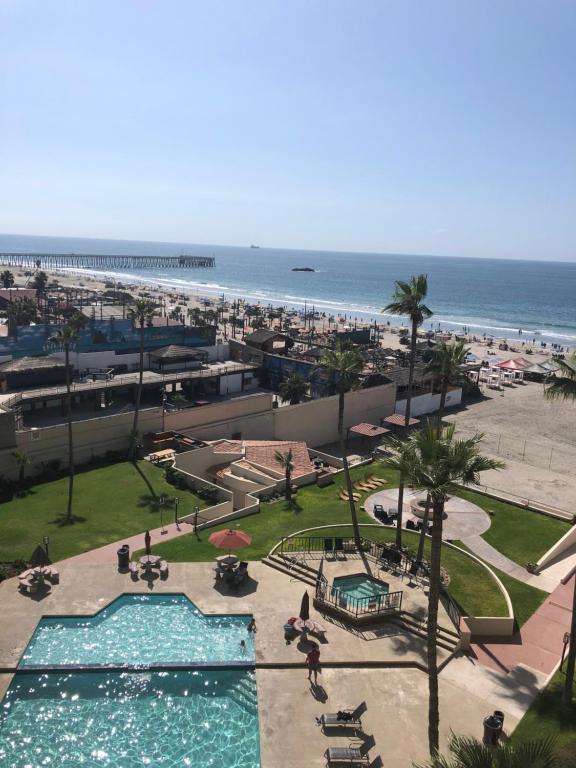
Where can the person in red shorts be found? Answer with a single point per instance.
(313, 661)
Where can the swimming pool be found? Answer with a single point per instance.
(200, 718)
(141, 630)
(359, 586)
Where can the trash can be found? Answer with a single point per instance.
(492, 730)
(124, 556)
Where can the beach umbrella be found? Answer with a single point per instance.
(230, 539)
(147, 540)
(39, 558)
(305, 607)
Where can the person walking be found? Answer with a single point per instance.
(313, 661)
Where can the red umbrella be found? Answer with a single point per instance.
(230, 539)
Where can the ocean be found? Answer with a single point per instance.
(488, 296)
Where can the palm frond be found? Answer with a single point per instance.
(563, 386)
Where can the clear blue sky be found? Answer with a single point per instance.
(444, 127)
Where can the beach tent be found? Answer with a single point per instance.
(518, 364)
(471, 357)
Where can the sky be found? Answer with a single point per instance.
(405, 126)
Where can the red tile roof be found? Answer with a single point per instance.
(398, 419)
(369, 430)
(263, 454)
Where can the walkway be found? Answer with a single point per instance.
(108, 553)
(538, 644)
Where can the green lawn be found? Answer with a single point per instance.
(525, 598)
(471, 586)
(520, 534)
(109, 503)
(548, 717)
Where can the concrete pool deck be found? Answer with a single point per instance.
(287, 705)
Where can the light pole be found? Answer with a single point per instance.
(176, 502)
(46, 541)
(161, 503)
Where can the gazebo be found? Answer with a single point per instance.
(176, 358)
(367, 431)
(398, 420)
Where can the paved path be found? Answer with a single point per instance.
(494, 557)
(538, 644)
(108, 553)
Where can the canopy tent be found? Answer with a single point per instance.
(516, 364)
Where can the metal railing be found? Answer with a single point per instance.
(387, 602)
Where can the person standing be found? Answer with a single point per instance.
(313, 661)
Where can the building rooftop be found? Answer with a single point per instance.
(23, 364)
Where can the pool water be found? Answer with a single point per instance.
(141, 630)
(200, 718)
(359, 586)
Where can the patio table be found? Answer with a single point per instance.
(149, 560)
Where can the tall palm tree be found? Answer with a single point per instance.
(445, 365)
(141, 315)
(434, 460)
(471, 753)
(408, 299)
(7, 279)
(22, 460)
(293, 389)
(66, 338)
(343, 366)
(286, 460)
(563, 387)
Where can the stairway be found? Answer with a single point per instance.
(297, 569)
(447, 639)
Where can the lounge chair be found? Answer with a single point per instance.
(331, 719)
(351, 755)
(377, 480)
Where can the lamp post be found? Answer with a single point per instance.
(161, 503)
(176, 502)
(195, 519)
(46, 542)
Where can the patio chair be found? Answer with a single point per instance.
(352, 755)
(328, 547)
(163, 568)
(411, 525)
(378, 508)
(53, 575)
(351, 719)
(133, 568)
(241, 574)
(339, 548)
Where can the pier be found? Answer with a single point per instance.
(101, 261)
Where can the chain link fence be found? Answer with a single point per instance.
(544, 454)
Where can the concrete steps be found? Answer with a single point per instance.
(293, 568)
(447, 639)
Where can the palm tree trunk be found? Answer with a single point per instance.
(433, 600)
(442, 406)
(406, 426)
(420, 553)
(138, 397)
(347, 478)
(70, 441)
(288, 486)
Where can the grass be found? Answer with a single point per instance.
(471, 585)
(109, 503)
(525, 598)
(520, 534)
(549, 718)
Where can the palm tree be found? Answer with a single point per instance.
(343, 366)
(141, 315)
(433, 460)
(446, 365)
(408, 300)
(66, 338)
(22, 460)
(471, 753)
(293, 389)
(7, 279)
(286, 460)
(563, 387)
